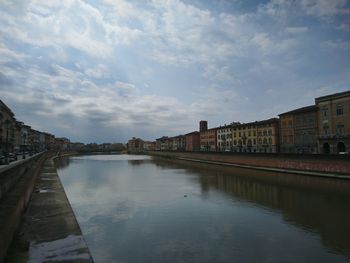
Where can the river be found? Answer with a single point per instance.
(135, 208)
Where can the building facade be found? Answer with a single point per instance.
(286, 126)
(224, 138)
(179, 143)
(299, 130)
(149, 146)
(7, 128)
(245, 137)
(208, 140)
(268, 136)
(334, 123)
(192, 141)
(164, 143)
(135, 145)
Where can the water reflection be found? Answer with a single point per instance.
(317, 204)
(134, 210)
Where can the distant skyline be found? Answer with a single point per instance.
(105, 71)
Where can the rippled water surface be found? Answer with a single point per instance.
(133, 208)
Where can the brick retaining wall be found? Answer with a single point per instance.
(328, 164)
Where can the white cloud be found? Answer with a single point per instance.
(100, 71)
(218, 73)
(344, 27)
(322, 8)
(341, 45)
(296, 30)
(159, 64)
(316, 8)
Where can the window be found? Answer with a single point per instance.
(339, 110)
(249, 133)
(239, 134)
(270, 141)
(325, 114)
(340, 129)
(270, 132)
(234, 134)
(325, 131)
(254, 133)
(254, 141)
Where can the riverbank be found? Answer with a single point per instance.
(48, 229)
(330, 167)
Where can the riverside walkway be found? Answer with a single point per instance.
(49, 231)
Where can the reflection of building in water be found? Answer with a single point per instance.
(326, 213)
(62, 162)
(136, 162)
(317, 204)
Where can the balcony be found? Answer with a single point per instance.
(334, 136)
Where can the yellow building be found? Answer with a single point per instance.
(244, 137)
(334, 123)
(268, 136)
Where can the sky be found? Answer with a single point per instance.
(105, 71)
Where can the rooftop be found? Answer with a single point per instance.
(333, 96)
(300, 110)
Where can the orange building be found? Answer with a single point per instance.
(192, 141)
(208, 138)
(298, 130)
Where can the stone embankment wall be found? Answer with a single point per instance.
(337, 164)
(16, 186)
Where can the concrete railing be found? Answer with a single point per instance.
(10, 174)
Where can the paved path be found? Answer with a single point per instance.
(49, 232)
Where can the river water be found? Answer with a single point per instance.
(134, 208)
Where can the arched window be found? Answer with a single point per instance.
(341, 147)
(326, 148)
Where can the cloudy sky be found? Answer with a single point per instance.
(107, 70)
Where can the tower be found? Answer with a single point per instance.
(203, 126)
